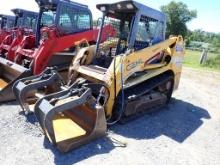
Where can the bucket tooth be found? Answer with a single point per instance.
(71, 118)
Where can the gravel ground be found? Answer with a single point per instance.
(187, 131)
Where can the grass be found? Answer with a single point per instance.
(192, 60)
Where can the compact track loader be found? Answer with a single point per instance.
(133, 72)
(6, 23)
(24, 25)
(61, 25)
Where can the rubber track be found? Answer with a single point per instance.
(140, 89)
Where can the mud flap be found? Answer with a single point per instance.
(71, 118)
(25, 87)
(9, 74)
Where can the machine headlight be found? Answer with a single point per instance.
(103, 9)
(119, 6)
(130, 6)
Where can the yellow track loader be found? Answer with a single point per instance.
(131, 73)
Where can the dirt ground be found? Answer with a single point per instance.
(187, 131)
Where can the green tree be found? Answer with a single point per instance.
(216, 41)
(178, 15)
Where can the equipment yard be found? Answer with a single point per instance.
(186, 131)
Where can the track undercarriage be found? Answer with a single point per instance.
(144, 97)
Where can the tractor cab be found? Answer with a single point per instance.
(6, 21)
(25, 19)
(138, 26)
(64, 15)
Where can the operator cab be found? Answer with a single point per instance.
(6, 21)
(25, 18)
(67, 16)
(138, 27)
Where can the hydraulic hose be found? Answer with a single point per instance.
(122, 94)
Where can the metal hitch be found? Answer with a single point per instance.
(71, 118)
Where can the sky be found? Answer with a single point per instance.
(207, 11)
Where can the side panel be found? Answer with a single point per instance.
(137, 62)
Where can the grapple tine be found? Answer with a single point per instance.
(71, 118)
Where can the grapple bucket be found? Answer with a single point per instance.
(9, 73)
(29, 89)
(71, 118)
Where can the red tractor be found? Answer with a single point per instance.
(6, 23)
(61, 25)
(24, 25)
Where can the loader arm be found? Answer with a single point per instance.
(3, 34)
(9, 48)
(52, 46)
(55, 44)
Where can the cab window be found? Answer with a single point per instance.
(73, 20)
(150, 32)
